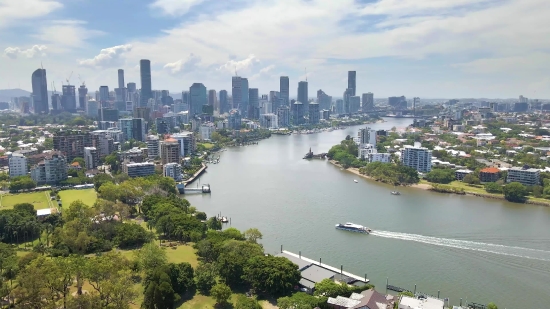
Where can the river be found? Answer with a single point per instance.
(477, 249)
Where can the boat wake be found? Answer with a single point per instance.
(534, 254)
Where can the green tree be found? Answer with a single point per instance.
(493, 187)
(131, 235)
(214, 224)
(300, 301)
(471, 179)
(205, 276)
(244, 302)
(515, 192)
(492, 306)
(109, 191)
(439, 175)
(151, 256)
(100, 179)
(181, 276)
(158, 291)
(48, 143)
(252, 235)
(80, 162)
(233, 257)
(330, 288)
(221, 293)
(273, 275)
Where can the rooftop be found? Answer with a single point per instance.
(491, 170)
(422, 303)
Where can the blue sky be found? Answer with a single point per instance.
(425, 48)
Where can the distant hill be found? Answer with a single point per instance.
(7, 94)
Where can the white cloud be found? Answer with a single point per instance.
(107, 57)
(509, 65)
(65, 35)
(175, 7)
(241, 66)
(14, 10)
(36, 50)
(266, 72)
(185, 66)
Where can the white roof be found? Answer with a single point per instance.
(44, 212)
(343, 302)
(414, 303)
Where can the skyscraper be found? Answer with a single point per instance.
(224, 104)
(197, 98)
(146, 88)
(68, 98)
(367, 102)
(324, 100)
(347, 104)
(120, 78)
(302, 95)
(236, 91)
(244, 99)
(40, 92)
(254, 103)
(212, 99)
(103, 95)
(82, 96)
(352, 82)
(284, 88)
(131, 87)
(314, 115)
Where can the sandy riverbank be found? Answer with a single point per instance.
(424, 186)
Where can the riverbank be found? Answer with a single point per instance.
(197, 174)
(423, 185)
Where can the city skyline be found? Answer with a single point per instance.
(396, 47)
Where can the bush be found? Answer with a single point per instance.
(493, 187)
(471, 179)
(515, 192)
(443, 176)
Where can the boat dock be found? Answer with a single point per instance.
(340, 271)
(197, 174)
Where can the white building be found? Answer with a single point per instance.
(18, 165)
(417, 157)
(186, 141)
(153, 144)
(269, 121)
(206, 130)
(525, 176)
(138, 169)
(367, 136)
(174, 171)
(91, 157)
(50, 171)
(407, 302)
(370, 154)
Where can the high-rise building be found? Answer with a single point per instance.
(153, 146)
(324, 100)
(398, 102)
(254, 103)
(71, 143)
(339, 107)
(138, 169)
(131, 87)
(82, 97)
(169, 151)
(173, 170)
(354, 104)
(68, 98)
(416, 102)
(142, 112)
(40, 92)
(109, 114)
(275, 100)
(133, 128)
(269, 121)
(367, 102)
(213, 100)
(91, 157)
(224, 103)
(347, 102)
(283, 116)
(367, 136)
(146, 88)
(314, 113)
(234, 119)
(206, 130)
(245, 95)
(186, 141)
(51, 171)
(103, 95)
(352, 82)
(303, 95)
(197, 99)
(284, 89)
(120, 78)
(236, 91)
(298, 113)
(92, 109)
(56, 102)
(417, 157)
(18, 165)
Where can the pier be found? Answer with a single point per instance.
(182, 189)
(310, 155)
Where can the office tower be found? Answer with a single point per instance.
(120, 78)
(185, 98)
(347, 96)
(56, 102)
(340, 107)
(417, 157)
(274, 100)
(298, 113)
(82, 97)
(269, 121)
(109, 114)
(284, 89)
(133, 128)
(142, 112)
(153, 146)
(245, 95)
(169, 151)
(51, 171)
(283, 116)
(236, 91)
(103, 95)
(367, 102)
(197, 99)
(355, 104)
(18, 165)
(40, 92)
(398, 102)
(91, 157)
(71, 143)
(303, 95)
(146, 88)
(131, 87)
(324, 100)
(68, 98)
(234, 119)
(367, 136)
(416, 102)
(352, 82)
(213, 100)
(92, 109)
(186, 141)
(224, 103)
(314, 113)
(254, 103)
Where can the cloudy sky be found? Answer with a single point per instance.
(426, 48)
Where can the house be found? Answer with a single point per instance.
(368, 299)
(489, 174)
(423, 302)
(460, 174)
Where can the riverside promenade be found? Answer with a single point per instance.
(197, 174)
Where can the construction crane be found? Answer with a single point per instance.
(68, 83)
(81, 82)
(53, 87)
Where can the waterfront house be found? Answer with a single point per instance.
(368, 299)
(489, 174)
(407, 302)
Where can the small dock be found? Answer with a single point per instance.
(311, 155)
(182, 189)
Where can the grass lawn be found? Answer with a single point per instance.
(207, 145)
(88, 196)
(40, 200)
(182, 253)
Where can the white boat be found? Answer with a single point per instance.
(352, 227)
(355, 180)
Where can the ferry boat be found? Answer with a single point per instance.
(352, 227)
(355, 180)
(395, 193)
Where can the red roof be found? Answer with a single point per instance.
(491, 170)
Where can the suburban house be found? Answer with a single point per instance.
(368, 299)
(423, 302)
(489, 174)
